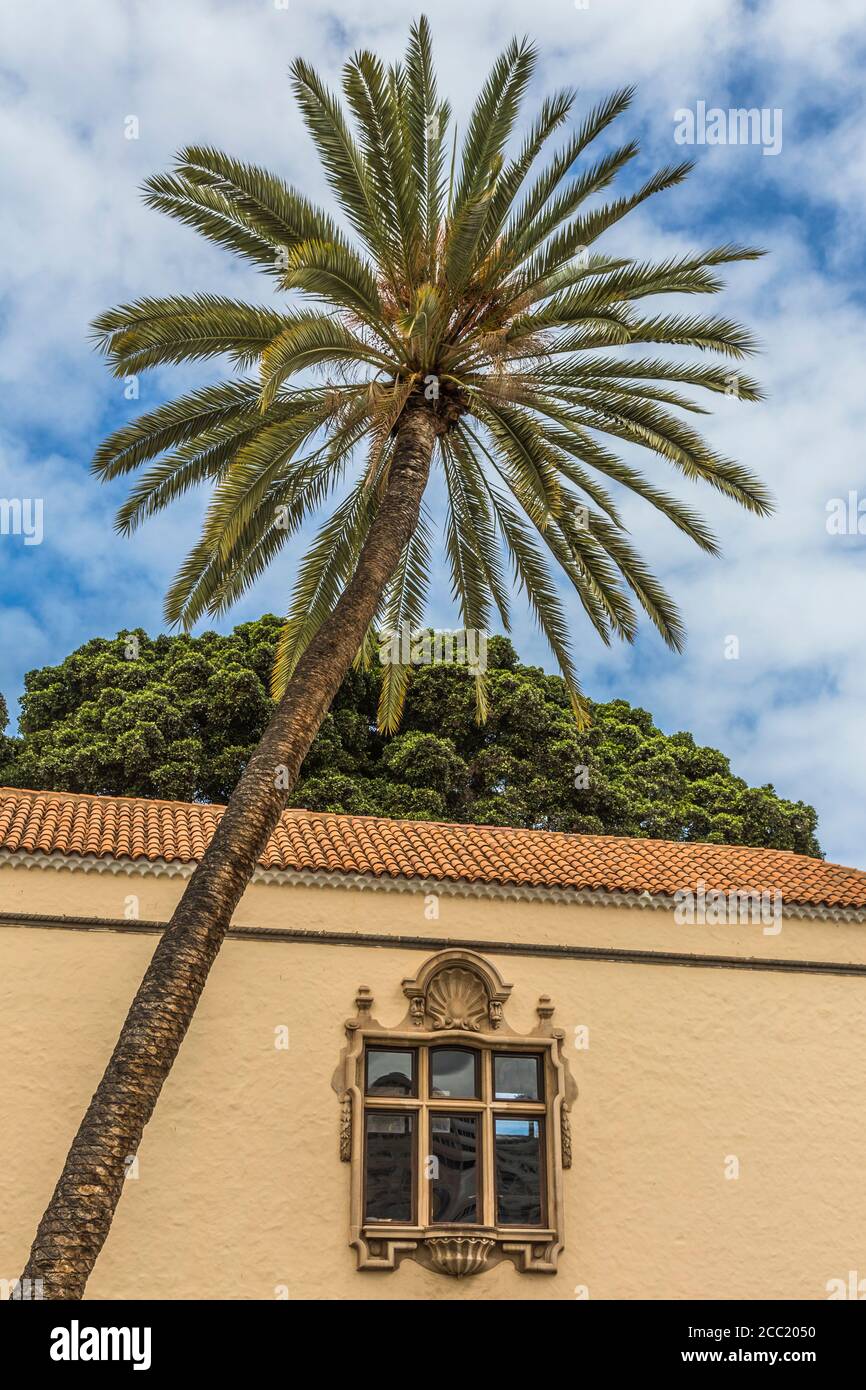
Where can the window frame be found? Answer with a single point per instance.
(450, 1047)
(423, 1105)
(388, 1047)
(456, 1247)
(543, 1171)
(386, 1222)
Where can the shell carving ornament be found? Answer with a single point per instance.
(456, 998)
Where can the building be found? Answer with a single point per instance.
(443, 1061)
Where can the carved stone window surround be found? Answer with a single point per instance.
(457, 999)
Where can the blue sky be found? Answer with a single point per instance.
(76, 238)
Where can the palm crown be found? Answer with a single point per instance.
(470, 280)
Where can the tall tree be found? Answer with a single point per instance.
(177, 717)
(463, 319)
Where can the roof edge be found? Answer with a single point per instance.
(218, 807)
(461, 888)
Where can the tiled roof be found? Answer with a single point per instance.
(127, 828)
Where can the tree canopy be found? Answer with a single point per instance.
(177, 717)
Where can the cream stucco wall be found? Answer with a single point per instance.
(240, 1189)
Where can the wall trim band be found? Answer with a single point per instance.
(376, 940)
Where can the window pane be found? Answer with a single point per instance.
(516, 1078)
(454, 1170)
(453, 1072)
(518, 1160)
(390, 1073)
(389, 1163)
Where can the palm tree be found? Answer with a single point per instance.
(461, 321)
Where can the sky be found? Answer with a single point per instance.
(76, 238)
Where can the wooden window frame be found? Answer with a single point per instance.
(415, 1150)
(383, 1047)
(451, 1047)
(456, 1002)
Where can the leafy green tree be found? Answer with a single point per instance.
(181, 718)
(8, 746)
(465, 320)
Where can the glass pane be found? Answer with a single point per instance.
(453, 1168)
(518, 1172)
(389, 1162)
(453, 1072)
(390, 1073)
(516, 1078)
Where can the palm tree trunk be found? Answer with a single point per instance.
(78, 1217)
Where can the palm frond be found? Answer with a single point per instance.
(323, 573)
(343, 162)
(387, 158)
(427, 122)
(211, 213)
(470, 500)
(523, 458)
(264, 203)
(403, 609)
(596, 121)
(171, 424)
(491, 123)
(533, 578)
(186, 328)
(482, 296)
(311, 340)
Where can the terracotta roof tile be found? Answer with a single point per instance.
(127, 828)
